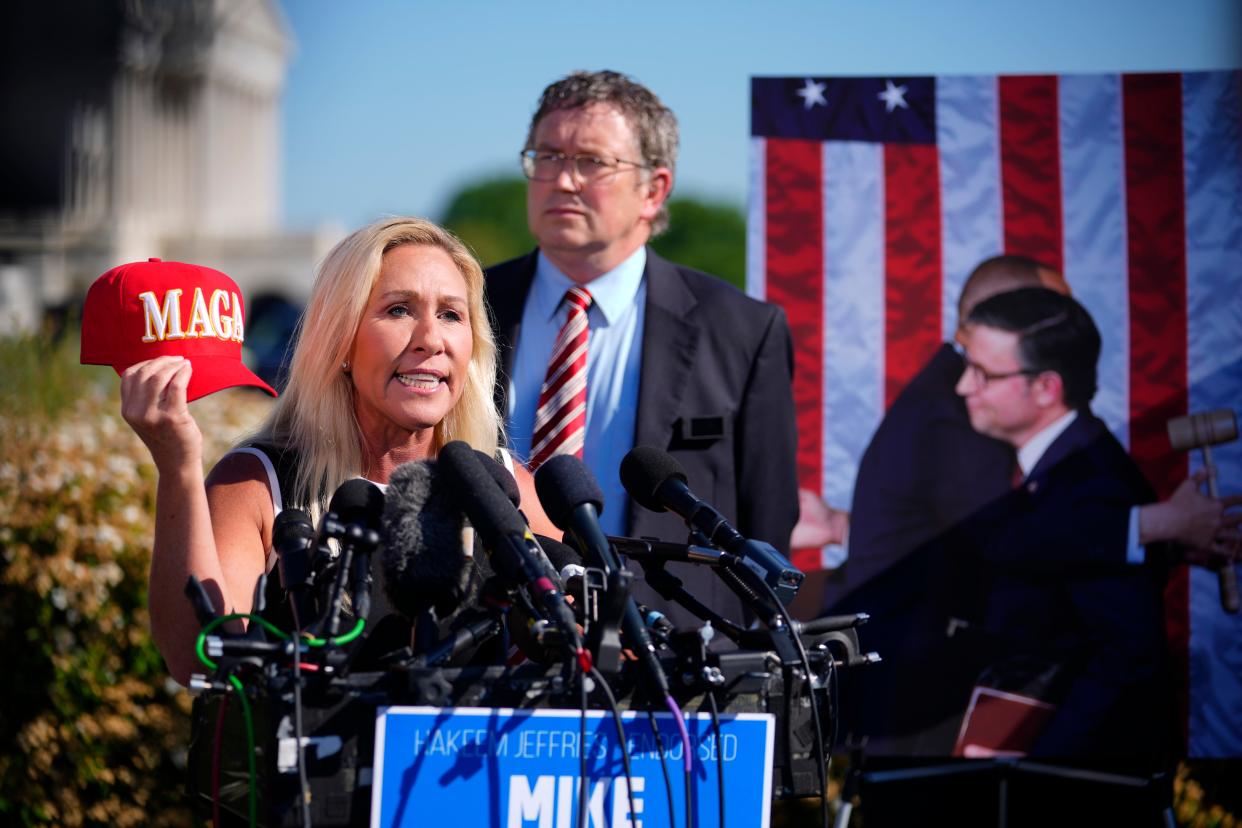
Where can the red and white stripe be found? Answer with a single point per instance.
(560, 419)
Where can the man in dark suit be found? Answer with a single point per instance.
(923, 473)
(1059, 599)
(676, 358)
(922, 477)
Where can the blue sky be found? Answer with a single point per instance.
(389, 106)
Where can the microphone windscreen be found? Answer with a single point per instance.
(426, 560)
(291, 527)
(293, 538)
(564, 483)
(506, 481)
(358, 501)
(487, 507)
(644, 470)
(560, 554)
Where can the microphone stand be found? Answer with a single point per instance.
(603, 638)
(671, 588)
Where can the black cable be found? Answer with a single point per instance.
(303, 781)
(216, 747)
(806, 665)
(832, 692)
(668, 782)
(582, 754)
(787, 675)
(625, 748)
(720, 788)
(690, 821)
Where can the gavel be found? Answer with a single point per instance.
(1202, 431)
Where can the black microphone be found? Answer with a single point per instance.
(508, 484)
(657, 623)
(357, 502)
(650, 549)
(427, 556)
(573, 500)
(831, 623)
(353, 519)
(504, 479)
(570, 570)
(505, 535)
(293, 539)
(560, 554)
(467, 637)
(658, 482)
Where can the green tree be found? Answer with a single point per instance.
(490, 216)
(706, 235)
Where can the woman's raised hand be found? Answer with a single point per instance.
(153, 403)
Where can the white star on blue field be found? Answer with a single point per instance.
(893, 96)
(813, 93)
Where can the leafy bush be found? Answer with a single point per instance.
(94, 731)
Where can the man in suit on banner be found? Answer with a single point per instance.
(923, 473)
(674, 358)
(1064, 610)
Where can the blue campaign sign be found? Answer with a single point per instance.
(470, 766)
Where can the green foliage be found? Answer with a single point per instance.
(706, 236)
(490, 216)
(40, 375)
(93, 731)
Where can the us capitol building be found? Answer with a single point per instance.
(140, 128)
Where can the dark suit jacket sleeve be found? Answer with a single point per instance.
(1088, 532)
(924, 472)
(767, 444)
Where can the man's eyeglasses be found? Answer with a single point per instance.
(982, 376)
(540, 165)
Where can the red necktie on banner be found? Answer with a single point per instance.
(560, 419)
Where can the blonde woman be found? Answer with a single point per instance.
(395, 358)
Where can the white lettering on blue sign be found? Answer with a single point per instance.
(554, 798)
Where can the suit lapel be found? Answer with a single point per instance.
(669, 342)
(1078, 435)
(506, 295)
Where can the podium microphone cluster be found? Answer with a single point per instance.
(573, 500)
(508, 540)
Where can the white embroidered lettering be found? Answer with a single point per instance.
(162, 322)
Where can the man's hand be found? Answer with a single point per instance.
(1206, 526)
(818, 523)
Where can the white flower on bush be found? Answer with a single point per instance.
(107, 535)
(109, 574)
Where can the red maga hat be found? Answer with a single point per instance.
(142, 310)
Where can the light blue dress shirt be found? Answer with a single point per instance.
(614, 363)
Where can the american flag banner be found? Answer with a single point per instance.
(872, 199)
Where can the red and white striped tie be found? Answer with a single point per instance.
(560, 419)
